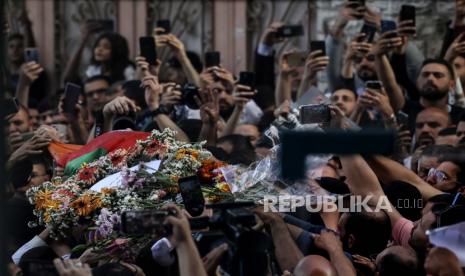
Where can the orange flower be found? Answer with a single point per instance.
(84, 205)
(224, 187)
(47, 217)
(42, 198)
(107, 191)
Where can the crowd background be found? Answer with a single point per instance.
(420, 97)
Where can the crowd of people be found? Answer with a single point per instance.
(421, 98)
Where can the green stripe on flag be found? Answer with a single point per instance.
(74, 165)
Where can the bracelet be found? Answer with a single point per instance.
(160, 110)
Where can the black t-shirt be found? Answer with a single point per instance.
(412, 108)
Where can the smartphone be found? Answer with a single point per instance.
(106, 25)
(142, 222)
(134, 91)
(290, 31)
(212, 59)
(407, 12)
(247, 78)
(11, 107)
(369, 30)
(315, 114)
(165, 24)
(188, 92)
(192, 196)
(318, 45)
(31, 54)
(375, 85)
(148, 49)
(72, 93)
(388, 25)
(297, 59)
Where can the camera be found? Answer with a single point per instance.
(232, 223)
(141, 222)
(125, 121)
(188, 92)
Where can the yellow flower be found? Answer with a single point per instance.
(42, 198)
(83, 206)
(224, 187)
(106, 191)
(47, 217)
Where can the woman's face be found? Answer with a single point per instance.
(102, 51)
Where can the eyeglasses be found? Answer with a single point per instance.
(98, 92)
(439, 175)
(423, 172)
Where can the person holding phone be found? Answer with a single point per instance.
(110, 57)
(181, 58)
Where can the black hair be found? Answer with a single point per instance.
(406, 198)
(362, 225)
(114, 269)
(458, 158)
(437, 150)
(19, 173)
(265, 121)
(38, 257)
(265, 96)
(99, 77)
(243, 152)
(439, 61)
(191, 128)
(193, 58)
(333, 185)
(119, 59)
(218, 153)
(393, 264)
(345, 87)
(462, 117)
(447, 131)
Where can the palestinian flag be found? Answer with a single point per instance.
(71, 157)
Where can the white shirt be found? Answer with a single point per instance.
(95, 70)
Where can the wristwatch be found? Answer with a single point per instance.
(160, 110)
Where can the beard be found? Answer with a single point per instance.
(366, 74)
(425, 139)
(432, 93)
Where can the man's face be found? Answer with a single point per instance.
(459, 67)
(434, 82)
(345, 100)
(95, 93)
(226, 99)
(461, 133)
(46, 117)
(19, 122)
(250, 131)
(427, 126)
(425, 163)
(419, 240)
(16, 50)
(39, 175)
(34, 118)
(365, 67)
(444, 178)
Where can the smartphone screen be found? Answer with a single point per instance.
(369, 30)
(318, 45)
(375, 85)
(148, 49)
(290, 31)
(72, 93)
(212, 59)
(192, 196)
(31, 54)
(388, 25)
(315, 114)
(407, 12)
(142, 222)
(165, 24)
(247, 78)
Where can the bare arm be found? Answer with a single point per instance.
(29, 72)
(163, 121)
(242, 96)
(283, 84)
(331, 243)
(387, 77)
(388, 170)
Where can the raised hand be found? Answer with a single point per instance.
(171, 94)
(386, 44)
(71, 268)
(242, 95)
(357, 47)
(30, 71)
(378, 100)
(208, 100)
(456, 48)
(284, 68)
(269, 37)
(314, 64)
(152, 91)
(119, 106)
